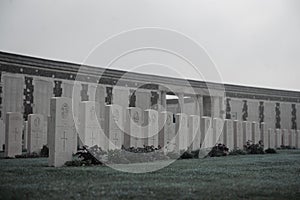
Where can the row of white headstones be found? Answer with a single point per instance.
(132, 128)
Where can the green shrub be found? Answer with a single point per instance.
(235, 152)
(252, 148)
(270, 150)
(218, 150)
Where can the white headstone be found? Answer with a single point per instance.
(255, 132)
(206, 132)
(114, 126)
(35, 133)
(293, 138)
(238, 134)
(168, 132)
(151, 127)
(228, 133)
(133, 127)
(218, 137)
(271, 138)
(285, 137)
(13, 134)
(90, 131)
(298, 139)
(61, 134)
(278, 138)
(194, 132)
(265, 135)
(2, 135)
(182, 131)
(247, 134)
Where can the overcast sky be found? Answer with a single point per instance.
(252, 42)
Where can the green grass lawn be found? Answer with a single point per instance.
(269, 176)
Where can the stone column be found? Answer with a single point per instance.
(180, 108)
(42, 93)
(238, 134)
(228, 134)
(194, 132)
(163, 101)
(278, 138)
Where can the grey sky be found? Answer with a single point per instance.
(253, 42)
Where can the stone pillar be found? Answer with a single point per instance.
(13, 134)
(163, 101)
(180, 108)
(13, 89)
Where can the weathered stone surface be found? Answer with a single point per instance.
(278, 138)
(285, 137)
(182, 131)
(150, 127)
(238, 134)
(247, 134)
(298, 139)
(35, 133)
(206, 132)
(271, 138)
(25, 135)
(2, 135)
(133, 128)
(292, 138)
(255, 132)
(114, 126)
(218, 137)
(13, 134)
(90, 131)
(265, 135)
(228, 133)
(61, 134)
(194, 132)
(167, 138)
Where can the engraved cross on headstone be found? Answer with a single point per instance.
(64, 138)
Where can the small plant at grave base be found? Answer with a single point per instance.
(44, 151)
(252, 148)
(236, 152)
(88, 156)
(285, 147)
(270, 150)
(218, 150)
